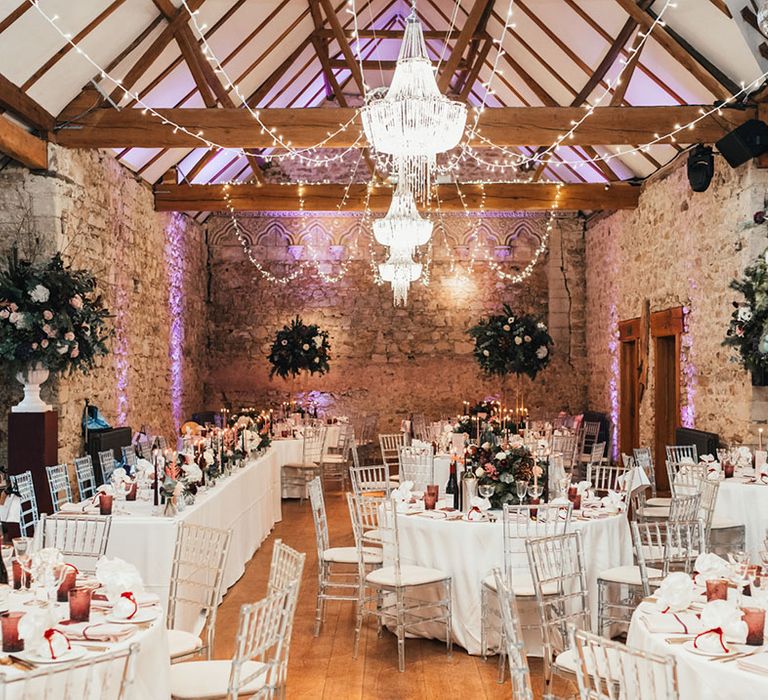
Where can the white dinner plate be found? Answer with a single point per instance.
(34, 658)
(466, 519)
(141, 616)
(734, 649)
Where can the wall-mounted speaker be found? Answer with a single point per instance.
(701, 167)
(744, 143)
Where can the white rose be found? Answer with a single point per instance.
(541, 326)
(506, 327)
(500, 455)
(39, 294)
(62, 349)
(305, 347)
(518, 340)
(744, 314)
(479, 472)
(486, 353)
(486, 445)
(542, 352)
(318, 340)
(317, 360)
(527, 338)
(511, 319)
(4, 313)
(14, 317)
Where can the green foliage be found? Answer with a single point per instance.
(503, 467)
(50, 314)
(299, 347)
(511, 344)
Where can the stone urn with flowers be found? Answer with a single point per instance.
(52, 321)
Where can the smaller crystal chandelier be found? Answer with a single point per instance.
(413, 121)
(400, 270)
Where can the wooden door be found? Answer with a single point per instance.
(629, 397)
(666, 329)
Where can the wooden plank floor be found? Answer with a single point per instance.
(323, 667)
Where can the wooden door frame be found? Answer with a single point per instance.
(629, 332)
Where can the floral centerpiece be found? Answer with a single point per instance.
(51, 320)
(502, 467)
(299, 347)
(748, 328)
(508, 343)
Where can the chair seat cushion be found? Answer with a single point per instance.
(348, 555)
(302, 465)
(566, 660)
(627, 574)
(181, 643)
(206, 680)
(654, 512)
(522, 584)
(724, 524)
(395, 477)
(409, 576)
(661, 502)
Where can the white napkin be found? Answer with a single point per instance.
(724, 616)
(84, 507)
(96, 631)
(710, 566)
(633, 479)
(475, 513)
(118, 576)
(40, 637)
(743, 456)
(673, 623)
(125, 606)
(676, 592)
(711, 467)
(761, 457)
(479, 502)
(10, 511)
(613, 502)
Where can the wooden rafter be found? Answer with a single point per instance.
(22, 146)
(720, 5)
(14, 100)
(394, 34)
(341, 40)
(620, 90)
(13, 16)
(479, 8)
(471, 76)
(492, 197)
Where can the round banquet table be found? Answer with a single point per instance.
(468, 551)
(743, 503)
(152, 670)
(698, 677)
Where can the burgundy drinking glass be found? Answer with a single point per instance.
(80, 604)
(9, 625)
(105, 504)
(755, 619)
(728, 470)
(130, 492)
(69, 582)
(717, 589)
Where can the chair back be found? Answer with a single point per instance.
(684, 508)
(368, 514)
(419, 426)
(197, 575)
(560, 581)
(370, 478)
(644, 459)
(129, 457)
(59, 486)
(286, 567)
(566, 446)
(317, 503)
(417, 464)
(606, 477)
(524, 522)
(607, 670)
(596, 454)
(144, 447)
(513, 638)
(313, 444)
(161, 442)
(390, 445)
(28, 515)
(590, 431)
(107, 464)
(86, 481)
(104, 676)
(82, 539)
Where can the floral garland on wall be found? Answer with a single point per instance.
(299, 347)
(50, 314)
(748, 328)
(508, 343)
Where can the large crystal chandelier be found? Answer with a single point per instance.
(413, 122)
(400, 270)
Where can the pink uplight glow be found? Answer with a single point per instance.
(688, 369)
(174, 266)
(613, 384)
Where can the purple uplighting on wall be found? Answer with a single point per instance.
(613, 384)
(688, 369)
(174, 266)
(121, 351)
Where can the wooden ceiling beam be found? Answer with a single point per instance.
(11, 17)
(394, 34)
(341, 40)
(22, 146)
(491, 197)
(505, 126)
(14, 100)
(471, 23)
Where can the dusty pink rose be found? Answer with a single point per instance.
(44, 343)
(34, 346)
(50, 332)
(75, 352)
(13, 307)
(69, 335)
(76, 301)
(47, 315)
(4, 313)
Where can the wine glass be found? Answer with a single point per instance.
(535, 490)
(22, 547)
(521, 488)
(486, 490)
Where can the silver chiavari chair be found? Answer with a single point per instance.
(298, 475)
(390, 445)
(566, 446)
(129, 457)
(644, 459)
(197, 576)
(370, 478)
(335, 464)
(259, 667)
(417, 464)
(661, 548)
(722, 535)
(59, 486)
(512, 634)
(28, 514)
(103, 676)
(332, 583)
(607, 670)
(287, 566)
(589, 434)
(420, 431)
(519, 523)
(680, 454)
(82, 539)
(144, 448)
(562, 598)
(107, 464)
(403, 607)
(86, 481)
(606, 477)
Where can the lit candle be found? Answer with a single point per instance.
(760, 439)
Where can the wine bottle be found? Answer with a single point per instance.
(452, 487)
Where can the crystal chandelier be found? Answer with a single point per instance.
(400, 270)
(403, 226)
(413, 122)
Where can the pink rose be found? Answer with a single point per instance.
(69, 335)
(14, 307)
(4, 313)
(75, 352)
(76, 301)
(34, 346)
(50, 332)
(44, 343)
(47, 315)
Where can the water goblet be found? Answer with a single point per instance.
(521, 488)
(22, 547)
(486, 490)
(535, 491)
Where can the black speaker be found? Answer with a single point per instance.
(701, 168)
(744, 143)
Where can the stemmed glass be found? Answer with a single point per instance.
(522, 488)
(22, 548)
(535, 491)
(486, 490)
(563, 484)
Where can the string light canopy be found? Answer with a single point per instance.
(412, 121)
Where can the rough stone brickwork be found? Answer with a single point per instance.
(679, 248)
(103, 219)
(387, 360)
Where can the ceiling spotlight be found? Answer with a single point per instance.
(701, 168)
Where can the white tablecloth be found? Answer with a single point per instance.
(745, 504)
(152, 677)
(248, 502)
(469, 551)
(698, 678)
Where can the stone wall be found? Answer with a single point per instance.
(152, 271)
(678, 248)
(390, 360)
